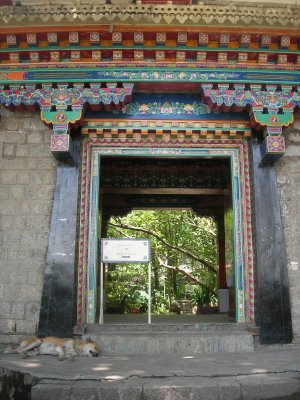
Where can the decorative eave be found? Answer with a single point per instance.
(63, 59)
(219, 13)
(63, 107)
(166, 129)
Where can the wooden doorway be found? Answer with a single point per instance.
(97, 150)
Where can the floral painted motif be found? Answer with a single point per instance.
(163, 108)
(161, 75)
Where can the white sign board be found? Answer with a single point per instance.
(125, 250)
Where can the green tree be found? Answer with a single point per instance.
(184, 249)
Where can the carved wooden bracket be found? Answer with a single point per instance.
(271, 108)
(62, 105)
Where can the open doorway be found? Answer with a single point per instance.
(100, 200)
(180, 205)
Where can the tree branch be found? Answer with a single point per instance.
(122, 232)
(207, 231)
(171, 246)
(187, 274)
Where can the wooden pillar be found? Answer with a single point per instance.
(57, 307)
(273, 310)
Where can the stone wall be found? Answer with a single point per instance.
(288, 180)
(27, 179)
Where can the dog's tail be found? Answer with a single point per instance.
(10, 350)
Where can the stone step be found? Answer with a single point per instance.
(118, 340)
(173, 327)
(270, 373)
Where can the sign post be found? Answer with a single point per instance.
(101, 293)
(149, 293)
(119, 251)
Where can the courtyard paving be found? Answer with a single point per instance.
(268, 373)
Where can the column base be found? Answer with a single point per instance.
(223, 299)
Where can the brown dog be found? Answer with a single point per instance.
(61, 347)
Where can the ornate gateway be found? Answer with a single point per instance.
(149, 79)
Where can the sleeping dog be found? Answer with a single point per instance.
(61, 347)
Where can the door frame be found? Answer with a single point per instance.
(88, 260)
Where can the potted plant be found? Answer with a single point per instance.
(203, 297)
(137, 302)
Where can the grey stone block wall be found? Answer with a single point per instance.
(27, 180)
(288, 181)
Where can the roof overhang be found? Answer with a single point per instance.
(250, 14)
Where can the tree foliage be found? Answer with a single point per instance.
(184, 252)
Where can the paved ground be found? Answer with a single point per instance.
(269, 373)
